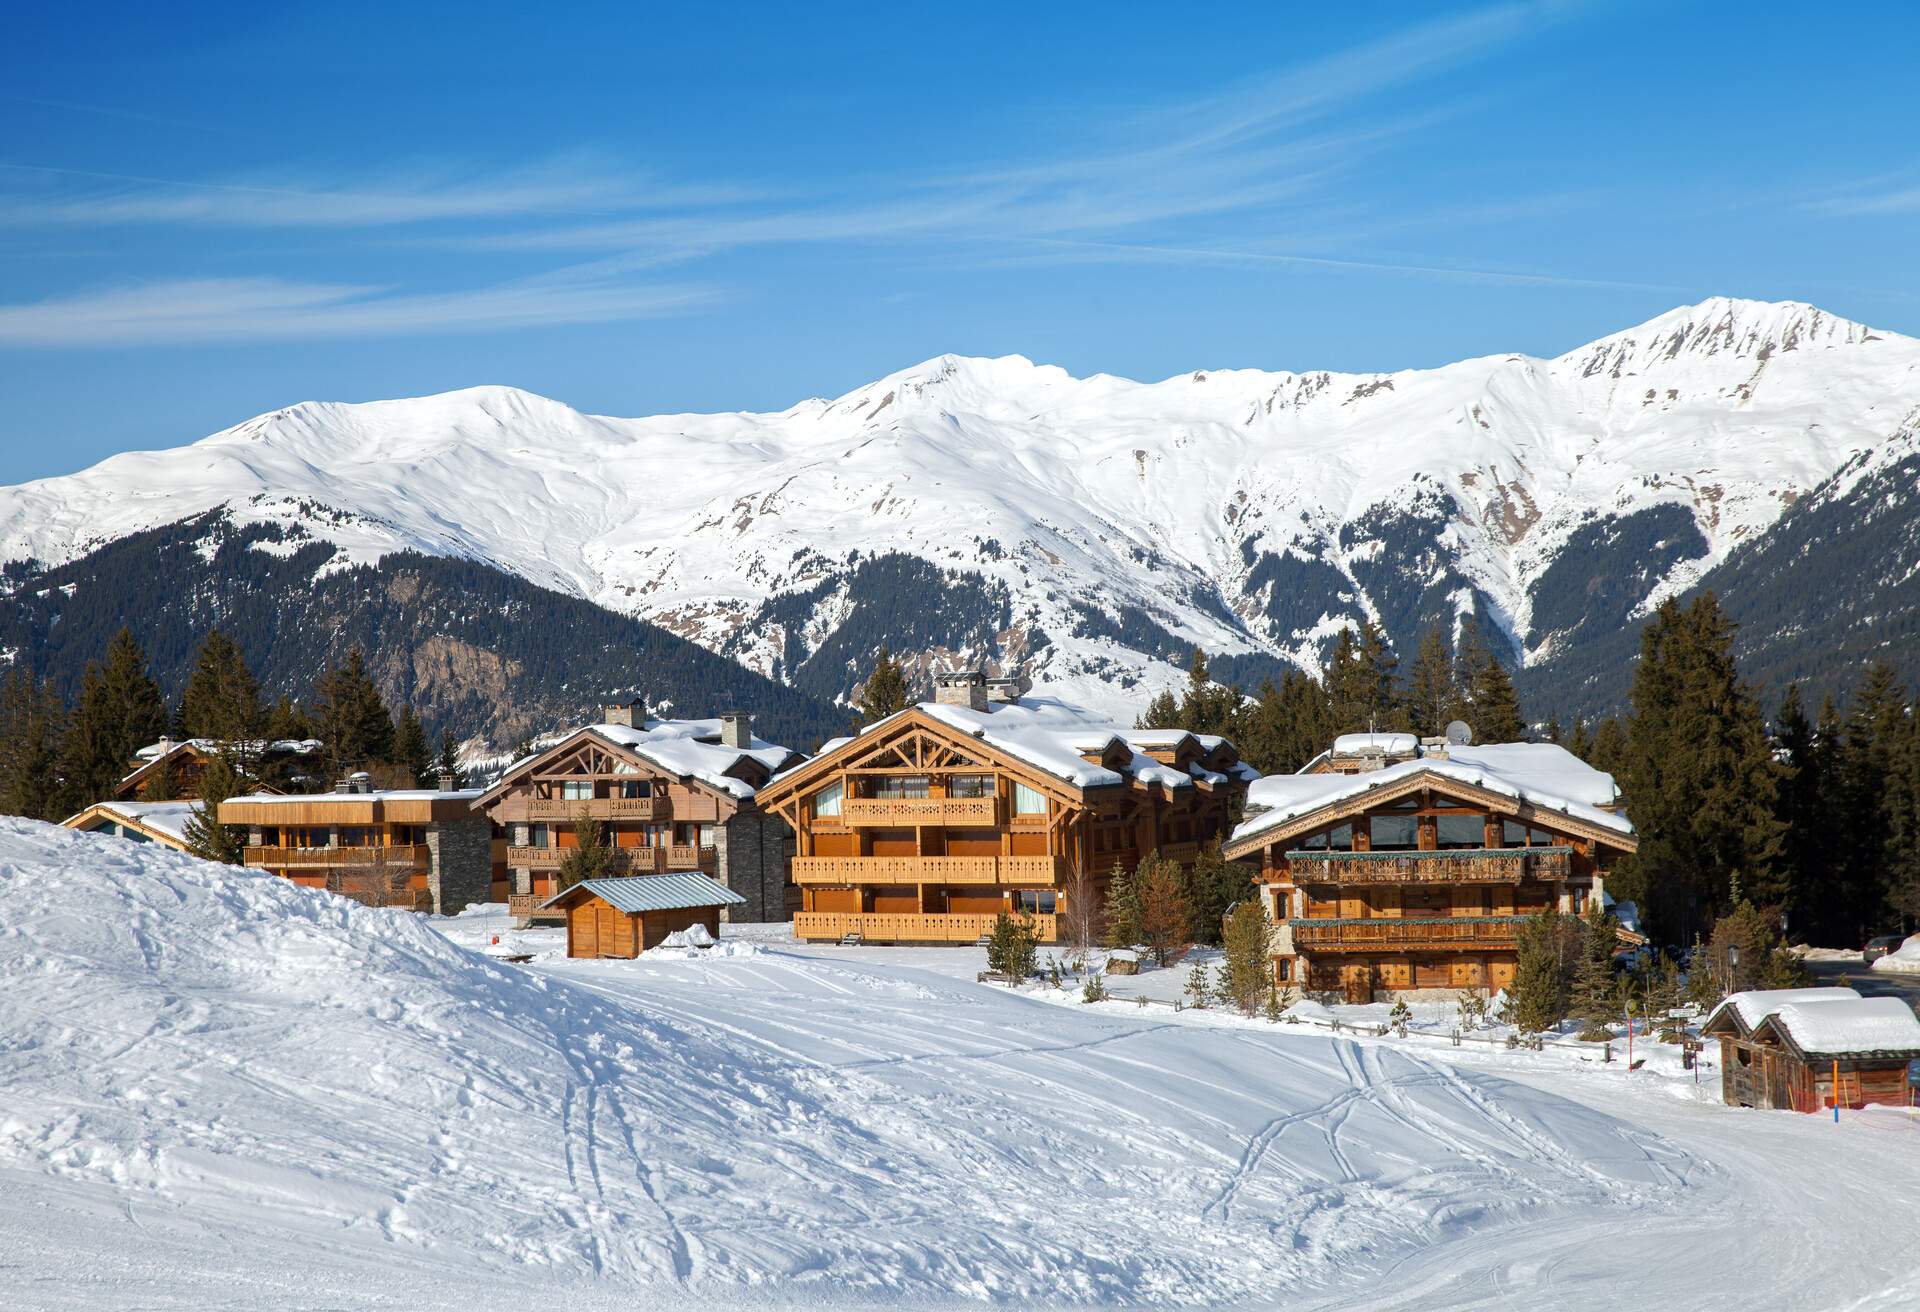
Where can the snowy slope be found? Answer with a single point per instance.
(222, 1090)
(1111, 522)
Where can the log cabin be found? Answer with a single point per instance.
(164, 823)
(926, 825)
(670, 795)
(1414, 873)
(425, 849)
(172, 768)
(627, 915)
(1810, 1050)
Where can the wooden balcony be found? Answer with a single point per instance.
(705, 859)
(1389, 934)
(1478, 865)
(625, 860)
(904, 812)
(656, 807)
(408, 856)
(848, 871)
(1181, 852)
(832, 926)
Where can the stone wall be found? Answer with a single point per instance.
(460, 864)
(753, 853)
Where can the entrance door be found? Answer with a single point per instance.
(1358, 982)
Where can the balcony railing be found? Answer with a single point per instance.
(846, 871)
(877, 928)
(868, 812)
(1372, 935)
(691, 858)
(412, 856)
(1471, 865)
(626, 860)
(599, 808)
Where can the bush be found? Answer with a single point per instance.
(1400, 1017)
(1094, 989)
(1010, 950)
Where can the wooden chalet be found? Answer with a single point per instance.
(424, 849)
(173, 767)
(670, 795)
(625, 916)
(1809, 1050)
(164, 823)
(1417, 874)
(923, 827)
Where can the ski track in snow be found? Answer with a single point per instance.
(221, 1091)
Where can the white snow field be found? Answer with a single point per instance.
(218, 1090)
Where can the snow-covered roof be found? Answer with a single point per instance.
(289, 746)
(1754, 1005)
(375, 795)
(692, 748)
(1392, 744)
(1539, 774)
(1838, 1026)
(167, 818)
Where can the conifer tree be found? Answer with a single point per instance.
(1213, 885)
(589, 857)
(221, 701)
(1809, 798)
(1607, 750)
(449, 760)
(1580, 741)
(32, 721)
(287, 721)
(1011, 947)
(1163, 712)
(410, 750)
(206, 837)
(1360, 682)
(1249, 955)
(1432, 693)
(351, 718)
(1592, 983)
(1287, 726)
(120, 711)
(1208, 707)
(1164, 912)
(885, 691)
(1122, 913)
(1542, 976)
(1700, 776)
(1494, 706)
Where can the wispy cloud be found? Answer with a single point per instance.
(254, 309)
(1894, 194)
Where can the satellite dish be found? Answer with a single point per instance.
(1458, 734)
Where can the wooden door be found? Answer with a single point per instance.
(584, 931)
(1358, 983)
(1431, 973)
(608, 930)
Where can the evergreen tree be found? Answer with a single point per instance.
(160, 786)
(1163, 712)
(32, 722)
(1592, 992)
(351, 718)
(1494, 706)
(1608, 749)
(410, 750)
(589, 857)
(1875, 772)
(1213, 885)
(1360, 683)
(120, 711)
(206, 837)
(1808, 801)
(1580, 741)
(221, 701)
(449, 761)
(1208, 707)
(1159, 888)
(1249, 955)
(1432, 694)
(1543, 974)
(1011, 947)
(288, 722)
(1287, 726)
(1122, 913)
(885, 691)
(1700, 776)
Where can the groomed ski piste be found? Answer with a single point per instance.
(218, 1090)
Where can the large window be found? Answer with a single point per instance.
(1036, 901)
(900, 787)
(1338, 839)
(1461, 831)
(827, 800)
(970, 785)
(631, 788)
(1518, 835)
(1391, 833)
(1028, 801)
(577, 790)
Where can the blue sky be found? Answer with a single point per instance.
(214, 211)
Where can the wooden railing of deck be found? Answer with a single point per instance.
(625, 860)
(1483, 865)
(395, 856)
(878, 928)
(599, 808)
(1390, 932)
(979, 812)
(844, 871)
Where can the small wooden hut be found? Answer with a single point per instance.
(1812, 1049)
(625, 916)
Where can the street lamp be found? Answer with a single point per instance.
(1733, 965)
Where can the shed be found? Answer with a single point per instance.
(623, 917)
(1811, 1049)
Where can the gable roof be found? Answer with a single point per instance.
(687, 749)
(168, 749)
(672, 892)
(1845, 1027)
(1540, 776)
(1741, 1013)
(164, 822)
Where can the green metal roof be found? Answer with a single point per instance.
(673, 892)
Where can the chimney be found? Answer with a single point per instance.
(357, 782)
(446, 779)
(631, 714)
(736, 730)
(966, 688)
(1008, 689)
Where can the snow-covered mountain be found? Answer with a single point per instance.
(1094, 529)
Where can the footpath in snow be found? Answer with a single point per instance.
(220, 1090)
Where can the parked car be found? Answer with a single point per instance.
(1877, 948)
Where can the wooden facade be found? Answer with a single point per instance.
(667, 797)
(174, 769)
(626, 915)
(1778, 1064)
(141, 822)
(1419, 882)
(921, 829)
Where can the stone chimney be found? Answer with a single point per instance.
(961, 688)
(446, 780)
(736, 730)
(1008, 688)
(357, 782)
(632, 713)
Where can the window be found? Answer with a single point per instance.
(577, 790)
(1391, 832)
(1340, 838)
(970, 785)
(1461, 830)
(631, 788)
(827, 800)
(1028, 801)
(357, 837)
(1285, 967)
(900, 787)
(1314, 843)
(538, 836)
(1036, 901)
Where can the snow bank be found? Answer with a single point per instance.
(1904, 960)
(220, 1088)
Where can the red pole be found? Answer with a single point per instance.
(1836, 1091)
